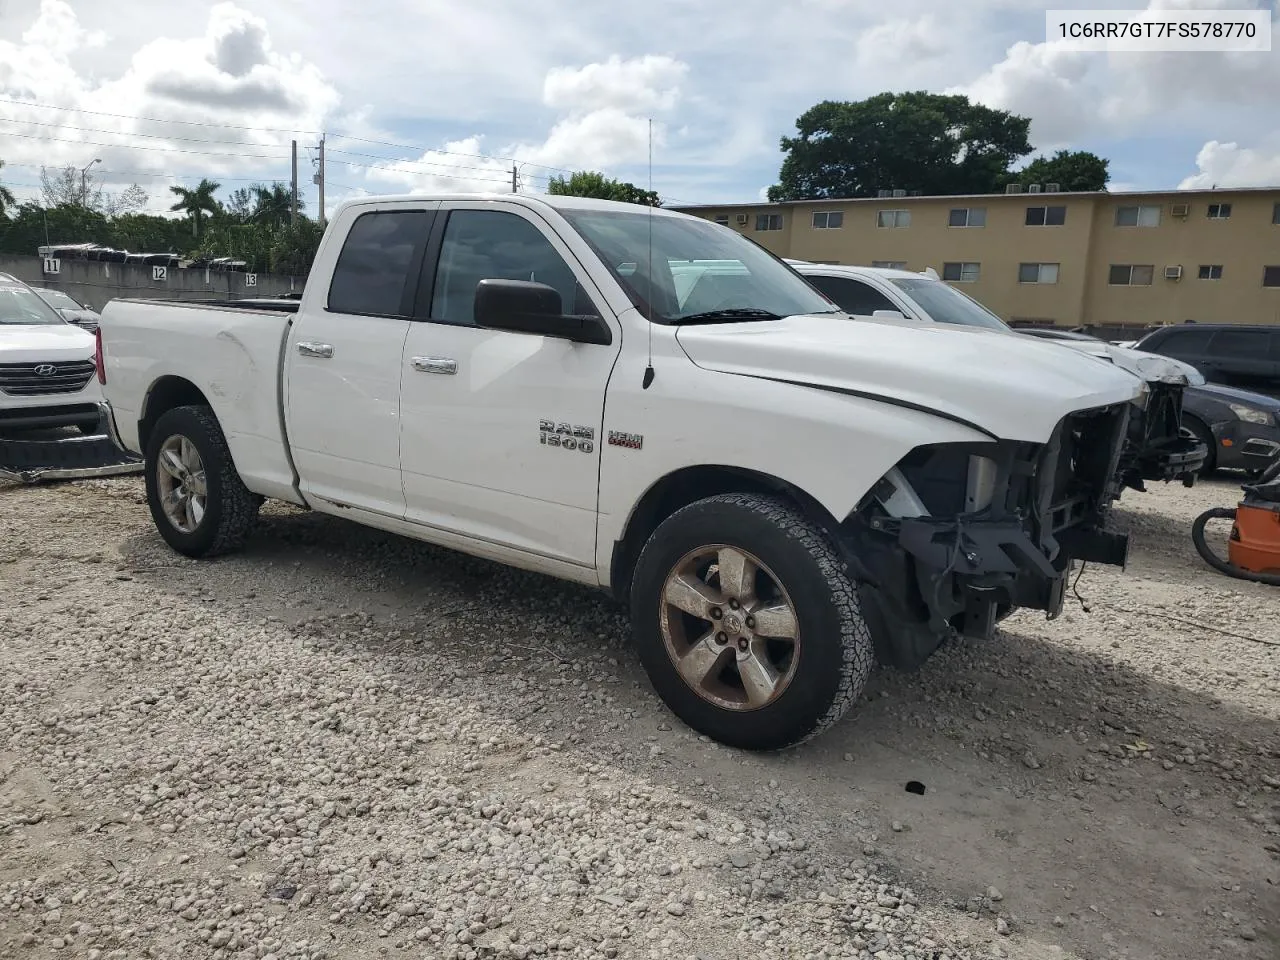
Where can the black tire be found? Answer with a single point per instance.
(1205, 436)
(230, 509)
(835, 653)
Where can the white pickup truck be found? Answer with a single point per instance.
(781, 493)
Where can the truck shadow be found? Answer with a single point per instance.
(1090, 785)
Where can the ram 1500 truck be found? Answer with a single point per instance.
(782, 494)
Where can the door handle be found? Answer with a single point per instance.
(435, 365)
(312, 348)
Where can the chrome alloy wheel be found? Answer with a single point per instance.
(180, 480)
(729, 627)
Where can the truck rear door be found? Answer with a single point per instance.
(342, 365)
(501, 431)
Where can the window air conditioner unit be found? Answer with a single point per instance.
(742, 219)
(1180, 209)
(916, 193)
(899, 193)
(884, 193)
(1013, 188)
(1173, 273)
(1053, 188)
(1033, 188)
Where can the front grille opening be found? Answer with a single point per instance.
(44, 378)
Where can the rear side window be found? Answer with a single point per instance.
(852, 296)
(1240, 344)
(383, 250)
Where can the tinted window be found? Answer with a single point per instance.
(382, 250)
(1251, 344)
(853, 296)
(1187, 343)
(492, 245)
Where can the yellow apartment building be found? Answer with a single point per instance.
(1102, 259)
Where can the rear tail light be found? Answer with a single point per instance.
(97, 356)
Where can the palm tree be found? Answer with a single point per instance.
(196, 201)
(273, 204)
(7, 199)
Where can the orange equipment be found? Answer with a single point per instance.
(1253, 552)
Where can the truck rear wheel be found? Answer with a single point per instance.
(197, 500)
(747, 624)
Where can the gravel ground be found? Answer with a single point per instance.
(342, 744)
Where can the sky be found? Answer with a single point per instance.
(427, 95)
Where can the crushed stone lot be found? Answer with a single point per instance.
(346, 745)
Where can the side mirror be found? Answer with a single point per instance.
(889, 314)
(523, 306)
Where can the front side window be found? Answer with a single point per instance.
(693, 268)
(1240, 344)
(20, 306)
(496, 245)
(853, 296)
(945, 304)
(382, 250)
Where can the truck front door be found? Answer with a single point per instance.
(500, 431)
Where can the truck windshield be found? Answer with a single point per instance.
(20, 306)
(700, 270)
(945, 304)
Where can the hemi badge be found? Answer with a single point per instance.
(632, 441)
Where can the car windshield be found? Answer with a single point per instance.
(58, 300)
(946, 304)
(20, 306)
(701, 271)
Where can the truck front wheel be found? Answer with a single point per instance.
(198, 502)
(747, 624)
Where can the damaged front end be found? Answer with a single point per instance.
(1157, 447)
(35, 456)
(956, 536)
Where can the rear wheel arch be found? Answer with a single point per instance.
(162, 396)
(688, 485)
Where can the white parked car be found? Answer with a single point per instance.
(781, 493)
(1158, 448)
(46, 365)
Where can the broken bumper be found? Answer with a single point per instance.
(30, 460)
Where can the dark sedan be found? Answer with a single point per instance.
(1241, 428)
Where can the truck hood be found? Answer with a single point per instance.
(20, 342)
(1151, 367)
(1011, 387)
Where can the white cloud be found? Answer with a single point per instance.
(1230, 165)
(648, 83)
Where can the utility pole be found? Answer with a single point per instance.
(319, 179)
(84, 182)
(293, 200)
(515, 177)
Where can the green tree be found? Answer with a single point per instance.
(273, 204)
(589, 183)
(1072, 170)
(196, 201)
(912, 141)
(7, 199)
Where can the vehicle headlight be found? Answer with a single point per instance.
(1251, 414)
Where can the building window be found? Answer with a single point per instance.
(1275, 214)
(1131, 274)
(1271, 276)
(961, 272)
(968, 217)
(1210, 271)
(893, 218)
(890, 264)
(1219, 211)
(1147, 215)
(1046, 216)
(1037, 273)
(768, 221)
(722, 219)
(828, 220)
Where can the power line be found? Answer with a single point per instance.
(130, 133)
(411, 146)
(125, 116)
(127, 146)
(421, 163)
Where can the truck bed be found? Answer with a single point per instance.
(230, 351)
